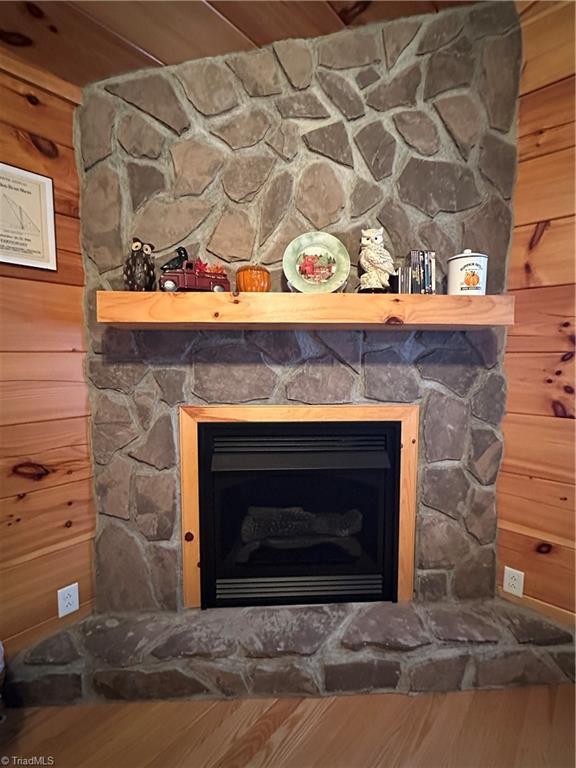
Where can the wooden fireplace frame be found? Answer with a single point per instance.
(192, 415)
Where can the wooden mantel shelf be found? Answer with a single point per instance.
(283, 311)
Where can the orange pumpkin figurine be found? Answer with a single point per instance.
(253, 278)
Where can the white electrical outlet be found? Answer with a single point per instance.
(68, 600)
(513, 581)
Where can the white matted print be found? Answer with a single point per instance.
(27, 234)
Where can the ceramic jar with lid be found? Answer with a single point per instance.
(467, 273)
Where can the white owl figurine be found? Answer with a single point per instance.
(376, 262)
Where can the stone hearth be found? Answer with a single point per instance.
(301, 651)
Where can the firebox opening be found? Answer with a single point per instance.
(298, 512)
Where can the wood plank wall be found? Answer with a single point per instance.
(47, 517)
(536, 486)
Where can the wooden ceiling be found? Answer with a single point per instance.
(87, 41)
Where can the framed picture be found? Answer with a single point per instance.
(27, 235)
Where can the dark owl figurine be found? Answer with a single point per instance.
(139, 272)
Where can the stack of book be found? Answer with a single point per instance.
(419, 274)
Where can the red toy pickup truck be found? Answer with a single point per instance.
(183, 274)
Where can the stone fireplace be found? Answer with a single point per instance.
(409, 125)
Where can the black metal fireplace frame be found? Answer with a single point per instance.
(207, 432)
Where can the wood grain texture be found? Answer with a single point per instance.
(28, 595)
(47, 516)
(96, 40)
(31, 523)
(68, 234)
(548, 576)
(355, 14)
(545, 188)
(544, 320)
(540, 383)
(545, 141)
(41, 436)
(545, 506)
(532, 10)
(548, 47)
(513, 728)
(34, 152)
(22, 401)
(12, 65)
(301, 310)
(31, 635)
(170, 41)
(28, 107)
(69, 271)
(547, 107)
(190, 505)
(541, 446)
(39, 469)
(39, 317)
(263, 22)
(542, 254)
(42, 366)
(85, 51)
(191, 416)
(559, 615)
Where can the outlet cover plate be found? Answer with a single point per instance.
(68, 600)
(513, 581)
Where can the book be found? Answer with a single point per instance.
(418, 275)
(415, 271)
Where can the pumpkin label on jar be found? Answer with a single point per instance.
(466, 274)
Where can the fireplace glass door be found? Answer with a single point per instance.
(298, 513)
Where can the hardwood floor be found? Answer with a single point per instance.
(528, 727)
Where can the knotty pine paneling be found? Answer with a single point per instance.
(542, 254)
(69, 272)
(539, 446)
(40, 317)
(68, 234)
(37, 437)
(49, 519)
(544, 320)
(548, 570)
(545, 141)
(545, 188)
(28, 594)
(540, 383)
(42, 366)
(265, 22)
(47, 516)
(39, 78)
(356, 14)
(544, 506)
(33, 109)
(170, 41)
(81, 51)
(22, 401)
(35, 470)
(546, 108)
(34, 152)
(548, 47)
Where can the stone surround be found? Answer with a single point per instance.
(405, 123)
(300, 651)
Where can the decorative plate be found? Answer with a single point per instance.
(316, 263)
